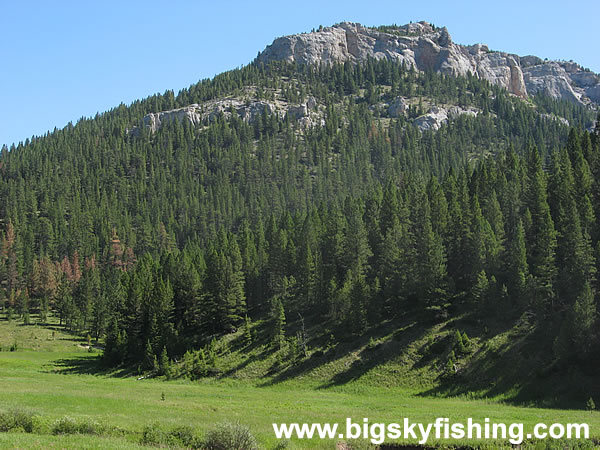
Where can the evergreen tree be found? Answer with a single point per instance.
(278, 317)
(541, 238)
(517, 269)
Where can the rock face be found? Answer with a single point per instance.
(557, 118)
(438, 116)
(249, 111)
(155, 120)
(433, 120)
(398, 107)
(196, 114)
(427, 48)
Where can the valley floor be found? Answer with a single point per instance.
(53, 375)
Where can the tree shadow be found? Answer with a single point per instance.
(247, 361)
(521, 371)
(88, 365)
(370, 357)
(400, 333)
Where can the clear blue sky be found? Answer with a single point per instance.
(61, 60)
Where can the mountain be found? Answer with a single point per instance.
(425, 47)
(342, 220)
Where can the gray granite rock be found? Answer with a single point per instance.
(552, 79)
(249, 111)
(155, 120)
(433, 120)
(398, 107)
(424, 47)
(438, 116)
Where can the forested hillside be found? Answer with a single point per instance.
(157, 242)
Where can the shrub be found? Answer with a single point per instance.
(373, 344)
(153, 435)
(293, 349)
(64, 425)
(590, 405)
(450, 364)
(459, 345)
(89, 426)
(466, 342)
(164, 364)
(17, 419)
(359, 444)
(183, 436)
(230, 436)
(281, 445)
(68, 425)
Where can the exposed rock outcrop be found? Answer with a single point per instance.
(250, 111)
(398, 107)
(196, 114)
(552, 79)
(433, 120)
(438, 116)
(424, 47)
(556, 118)
(155, 120)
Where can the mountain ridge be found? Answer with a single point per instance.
(426, 47)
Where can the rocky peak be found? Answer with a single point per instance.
(424, 47)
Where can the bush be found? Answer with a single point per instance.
(360, 444)
(373, 344)
(183, 436)
(64, 425)
(17, 419)
(230, 436)
(281, 445)
(153, 435)
(68, 425)
(590, 405)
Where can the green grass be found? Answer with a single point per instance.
(39, 337)
(37, 441)
(54, 380)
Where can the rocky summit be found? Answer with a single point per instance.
(425, 47)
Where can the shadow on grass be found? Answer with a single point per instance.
(64, 333)
(371, 357)
(88, 365)
(404, 333)
(523, 372)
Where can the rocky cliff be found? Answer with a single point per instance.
(425, 47)
(306, 114)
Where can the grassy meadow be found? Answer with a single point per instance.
(52, 374)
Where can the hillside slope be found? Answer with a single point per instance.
(298, 211)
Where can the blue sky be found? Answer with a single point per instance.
(63, 60)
